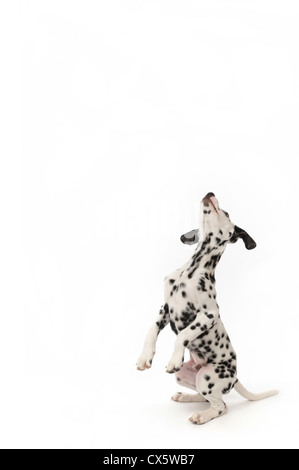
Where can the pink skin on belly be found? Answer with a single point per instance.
(190, 369)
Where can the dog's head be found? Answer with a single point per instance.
(215, 223)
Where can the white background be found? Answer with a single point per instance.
(130, 112)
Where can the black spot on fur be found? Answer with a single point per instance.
(191, 273)
(213, 261)
(227, 389)
(209, 315)
(191, 305)
(202, 334)
(173, 327)
(202, 285)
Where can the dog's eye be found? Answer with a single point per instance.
(226, 213)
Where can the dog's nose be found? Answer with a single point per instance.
(209, 195)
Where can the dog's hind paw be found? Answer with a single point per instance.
(203, 417)
(176, 396)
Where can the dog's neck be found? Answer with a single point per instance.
(206, 256)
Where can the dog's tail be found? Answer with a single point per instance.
(253, 396)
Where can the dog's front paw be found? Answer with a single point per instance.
(145, 360)
(175, 364)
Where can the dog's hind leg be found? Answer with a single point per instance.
(187, 397)
(217, 408)
(186, 377)
(211, 389)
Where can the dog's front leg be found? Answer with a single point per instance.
(202, 323)
(149, 348)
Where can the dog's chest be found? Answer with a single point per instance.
(199, 289)
(180, 318)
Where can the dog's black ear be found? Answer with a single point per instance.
(190, 238)
(240, 233)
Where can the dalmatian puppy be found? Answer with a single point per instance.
(193, 313)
